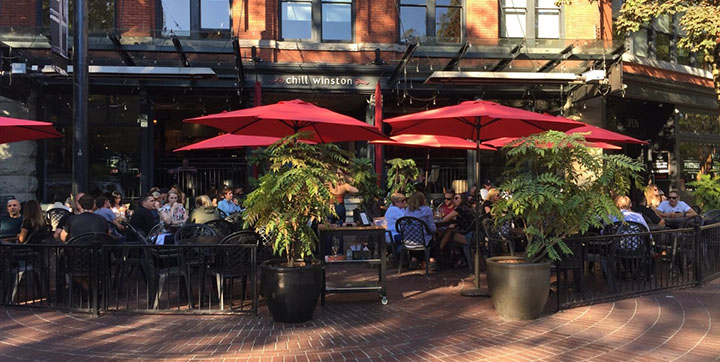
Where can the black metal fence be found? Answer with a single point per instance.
(205, 278)
(618, 266)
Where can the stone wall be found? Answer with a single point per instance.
(17, 159)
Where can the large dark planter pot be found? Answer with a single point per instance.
(518, 290)
(291, 293)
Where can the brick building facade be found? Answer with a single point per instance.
(203, 59)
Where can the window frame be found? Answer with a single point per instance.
(316, 22)
(531, 21)
(431, 19)
(196, 31)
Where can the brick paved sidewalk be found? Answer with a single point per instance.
(426, 319)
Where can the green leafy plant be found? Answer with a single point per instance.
(364, 178)
(560, 187)
(707, 191)
(400, 177)
(293, 193)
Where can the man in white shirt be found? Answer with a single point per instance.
(673, 207)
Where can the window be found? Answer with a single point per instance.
(205, 18)
(542, 17)
(101, 15)
(317, 20)
(442, 19)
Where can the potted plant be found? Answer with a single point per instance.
(707, 190)
(557, 187)
(290, 198)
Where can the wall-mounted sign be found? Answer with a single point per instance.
(661, 163)
(310, 81)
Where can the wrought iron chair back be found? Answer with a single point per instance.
(53, 216)
(221, 227)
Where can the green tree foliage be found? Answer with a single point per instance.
(707, 191)
(400, 177)
(699, 22)
(363, 177)
(293, 192)
(559, 187)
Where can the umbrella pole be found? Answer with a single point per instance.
(427, 167)
(476, 291)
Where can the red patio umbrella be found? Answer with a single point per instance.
(479, 120)
(14, 130)
(289, 117)
(231, 141)
(502, 141)
(434, 141)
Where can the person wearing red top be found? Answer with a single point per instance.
(449, 205)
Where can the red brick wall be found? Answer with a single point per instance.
(482, 19)
(18, 13)
(136, 17)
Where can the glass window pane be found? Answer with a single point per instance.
(176, 17)
(616, 5)
(448, 22)
(548, 24)
(546, 4)
(296, 20)
(640, 44)
(662, 23)
(662, 47)
(448, 3)
(337, 22)
(215, 14)
(515, 3)
(515, 23)
(412, 22)
(102, 15)
(412, 2)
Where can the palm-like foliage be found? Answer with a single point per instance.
(707, 191)
(293, 193)
(400, 177)
(559, 187)
(364, 178)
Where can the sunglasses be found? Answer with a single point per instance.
(673, 197)
(457, 198)
(448, 198)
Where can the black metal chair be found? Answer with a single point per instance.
(234, 262)
(132, 259)
(221, 227)
(17, 261)
(53, 217)
(84, 259)
(495, 240)
(632, 251)
(413, 231)
(190, 232)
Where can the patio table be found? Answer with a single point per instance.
(376, 235)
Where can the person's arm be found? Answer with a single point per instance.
(184, 214)
(23, 235)
(165, 216)
(450, 217)
(63, 235)
(118, 225)
(350, 188)
(430, 220)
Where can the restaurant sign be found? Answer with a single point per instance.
(307, 81)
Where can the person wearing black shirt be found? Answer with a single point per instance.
(85, 221)
(142, 218)
(11, 223)
(639, 206)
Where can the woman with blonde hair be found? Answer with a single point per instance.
(173, 213)
(204, 211)
(652, 196)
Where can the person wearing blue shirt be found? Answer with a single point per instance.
(227, 205)
(393, 213)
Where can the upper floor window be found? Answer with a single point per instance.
(317, 20)
(540, 17)
(188, 17)
(442, 19)
(101, 15)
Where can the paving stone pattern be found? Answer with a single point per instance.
(426, 319)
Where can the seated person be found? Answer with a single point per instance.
(85, 221)
(11, 223)
(393, 213)
(173, 213)
(463, 217)
(227, 204)
(416, 208)
(493, 195)
(32, 220)
(639, 206)
(448, 206)
(623, 203)
(102, 208)
(674, 208)
(59, 201)
(142, 219)
(204, 211)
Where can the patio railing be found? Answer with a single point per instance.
(612, 267)
(130, 278)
